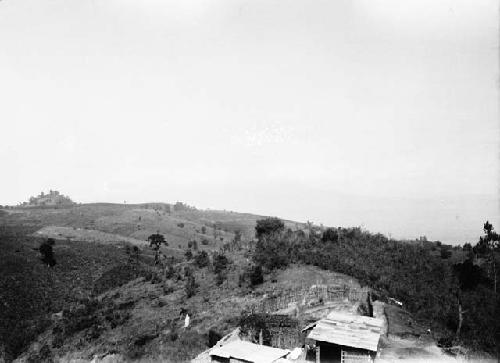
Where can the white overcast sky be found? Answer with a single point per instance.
(381, 114)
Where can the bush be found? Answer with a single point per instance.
(256, 275)
(445, 253)
(220, 262)
(268, 226)
(201, 259)
(213, 338)
(47, 252)
(193, 244)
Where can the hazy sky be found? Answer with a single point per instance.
(376, 113)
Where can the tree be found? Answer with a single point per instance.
(268, 226)
(190, 286)
(135, 252)
(488, 248)
(331, 234)
(47, 252)
(272, 252)
(256, 275)
(155, 242)
(220, 263)
(201, 259)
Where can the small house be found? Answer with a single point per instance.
(345, 338)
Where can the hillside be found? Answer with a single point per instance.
(106, 297)
(90, 251)
(138, 222)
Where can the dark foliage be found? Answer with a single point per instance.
(252, 325)
(155, 242)
(469, 275)
(220, 262)
(256, 275)
(268, 226)
(193, 244)
(190, 286)
(213, 337)
(428, 285)
(30, 292)
(201, 259)
(47, 252)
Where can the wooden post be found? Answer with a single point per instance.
(318, 359)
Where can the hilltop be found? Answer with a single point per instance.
(179, 223)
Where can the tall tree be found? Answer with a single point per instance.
(488, 247)
(155, 242)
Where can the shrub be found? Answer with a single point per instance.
(268, 226)
(193, 244)
(256, 275)
(201, 259)
(47, 252)
(213, 337)
(220, 262)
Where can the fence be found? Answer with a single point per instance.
(312, 296)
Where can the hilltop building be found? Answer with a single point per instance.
(53, 198)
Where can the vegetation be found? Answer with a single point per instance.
(450, 288)
(220, 264)
(201, 259)
(458, 300)
(47, 252)
(190, 286)
(155, 242)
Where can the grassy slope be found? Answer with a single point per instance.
(140, 221)
(30, 291)
(154, 329)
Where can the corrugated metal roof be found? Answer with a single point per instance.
(250, 352)
(349, 330)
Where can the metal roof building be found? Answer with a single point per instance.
(242, 351)
(344, 337)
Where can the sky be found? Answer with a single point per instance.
(374, 113)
